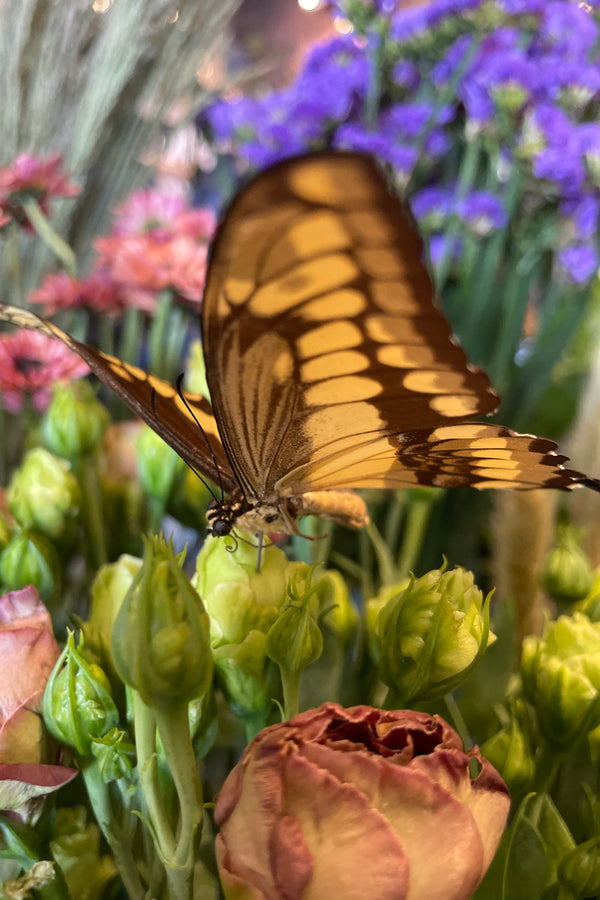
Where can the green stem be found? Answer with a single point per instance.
(416, 523)
(466, 178)
(290, 682)
(50, 237)
(159, 333)
(145, 742)
(91, 501)
(373, 97)
(119, 842)
(14, 264)
(174, 731)
(130, 336)
(387, 570)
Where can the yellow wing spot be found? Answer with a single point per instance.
(344, 389)
(323, 426)
(455, 407)
(317, 233)
(472, 433)
(336, 305)
(342, 185)
(389, 330)
(433, 381)
(161, 387)
(370, 227)
(332, 365)
(306, 280)
(406, 357)
(328, 338)
(496, 464)
(380, 262)
(395, 297)
(283, 366)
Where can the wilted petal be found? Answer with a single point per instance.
(25, 781)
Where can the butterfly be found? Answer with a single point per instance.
(328, 363)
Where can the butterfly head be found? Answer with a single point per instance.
(221, 516)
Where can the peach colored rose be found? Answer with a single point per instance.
(358, 803)
(28, 651)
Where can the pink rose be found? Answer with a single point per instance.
(358, 803)
(28, 651)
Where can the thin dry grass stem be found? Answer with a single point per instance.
(95, 86)
(522, 534)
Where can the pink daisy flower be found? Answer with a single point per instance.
(31, 176)
(98, 292)
(29, 364)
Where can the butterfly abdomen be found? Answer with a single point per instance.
(343, 507)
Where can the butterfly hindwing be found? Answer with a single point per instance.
(328, 361)
(172, 414)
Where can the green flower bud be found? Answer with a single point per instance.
(115, 757)
(373, 607)
(159, 467)
(78, 706)
(109, 588)
(334, 600)
(566, 573)
(204, 722)
(43, 494)
(76, 848)
(239, 599)
(590, 605)
(295, 640)
(579, 871)
(75, 421)
(432, 634)
(242, 605)
(160, 642)
(510, 751)
(30, 559)
(561, 678)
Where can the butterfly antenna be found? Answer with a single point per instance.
(203, 433)
(188, 464)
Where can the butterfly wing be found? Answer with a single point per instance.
(328, 363)
(175, 416)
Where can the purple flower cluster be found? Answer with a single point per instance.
(527, 87)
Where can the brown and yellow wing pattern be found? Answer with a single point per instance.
(328, 362)
(155, 401)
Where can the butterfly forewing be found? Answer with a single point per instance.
(150, 398)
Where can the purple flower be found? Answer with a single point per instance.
(520, 7)
(406, 75)
(578, 263)
(413, 20)
(483, 212)
(453, 60)
(568, 28)
(440, 245)
(584, 211)
(354, 136)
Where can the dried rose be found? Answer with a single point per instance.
(28, 651)
(358, 803)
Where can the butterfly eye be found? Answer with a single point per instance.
(220, 527)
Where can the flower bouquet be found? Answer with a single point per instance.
(409, 710)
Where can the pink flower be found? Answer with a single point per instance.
(157, 243)
(98, 292)
(358, 803)
(28, 651)
(30, 176)
(29, 363)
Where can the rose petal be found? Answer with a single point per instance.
(21, 782)
(28, 656)
(21, 737)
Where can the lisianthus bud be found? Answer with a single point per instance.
(30, 559)
(334, 598)
(295, 640)
(373, 606)
(511, 753)
(579, 871)
(561, 678)
(109, 588)
(160, 644)
(78, 706)
(43, 493)
(76, 848)
(75, 421)
(114, 755)
(242, 605)
(432, 634)
(159, 467)
(590, 605)
(567, 575)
